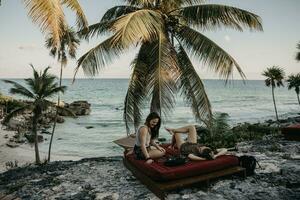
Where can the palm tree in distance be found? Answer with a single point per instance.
(275, 76)
(163, 31)
(294, 82)
(68, 46)
(298, 53)
(49, 15)
(41, 87)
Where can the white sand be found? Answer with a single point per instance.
(23, 154)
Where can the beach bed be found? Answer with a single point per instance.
(291, 132)
(160, 178)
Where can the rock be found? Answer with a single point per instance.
(60, 119)
(107, 196)
(79, 108)
(89, 127)
(30, 137)
(12, 144)
(46, 132)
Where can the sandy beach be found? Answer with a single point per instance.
(23, 154)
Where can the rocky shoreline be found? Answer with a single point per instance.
(278, 177)
(23, 122)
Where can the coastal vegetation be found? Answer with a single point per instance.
(221, 134)
(294, 82)
(274, 78)
(164, 32)
(49, 15)
(298, 53)
(68, 46)
(39, 88)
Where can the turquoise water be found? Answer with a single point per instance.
(250, 102)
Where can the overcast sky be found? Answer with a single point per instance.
(22, 43)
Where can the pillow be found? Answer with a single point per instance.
(126, 142)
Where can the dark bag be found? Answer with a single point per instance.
(249, 163)
(175, 161)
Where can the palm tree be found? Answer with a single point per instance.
(298, 53)
(275, 76)
(49, 15)
(294, 82)
(163, 32)
(68, 46)
(40, 87)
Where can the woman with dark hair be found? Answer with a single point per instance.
(191, 148)
(145, 140)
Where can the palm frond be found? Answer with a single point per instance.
(163, 75)
(139, 26)
(137, 90)
(294, 82)
(117, 11)
(96, 29)
(208, 52)
(298, 53)
(75, 6)
(108, 19)
(19, 89)
(48, 15)
(193, 89)
(15, 112)
(142, 3)
(51, 91)
(142, 25)
(212, 16)
(275, 76)
(69, 42)
(98, 57)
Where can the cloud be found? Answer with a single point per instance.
(227, 38)
(28, 47)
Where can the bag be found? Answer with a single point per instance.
(175, 161)
(249, 163)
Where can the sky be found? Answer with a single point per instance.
(22, 43)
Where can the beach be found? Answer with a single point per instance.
(24, 153)
(277, 177)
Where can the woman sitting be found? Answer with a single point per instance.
(145, 139)
(191, 148)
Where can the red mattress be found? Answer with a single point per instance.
(159, 172)
(292, 132)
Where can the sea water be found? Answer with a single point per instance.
(249, 101)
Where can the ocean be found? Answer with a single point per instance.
(244, 102)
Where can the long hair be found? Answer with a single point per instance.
(155, 129)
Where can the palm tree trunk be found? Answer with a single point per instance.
(56, 114)
(298, 99)
(274, 104)
(34, 130)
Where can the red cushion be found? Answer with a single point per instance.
(295, 128)
(159, 172)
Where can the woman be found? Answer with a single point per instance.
(191, 148)
(145, 139)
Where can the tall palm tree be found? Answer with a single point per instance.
(49, 15)
(40, 87)
(298, 53)
(68, 46)
(163, 31)
(294, 82)
(275, 76)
